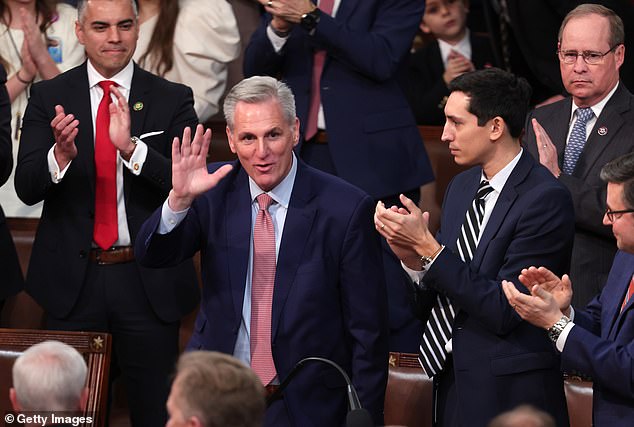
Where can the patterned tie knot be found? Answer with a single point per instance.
(584, 114)
(264, 201)
(483, 190)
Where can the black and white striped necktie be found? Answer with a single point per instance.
(432, 353)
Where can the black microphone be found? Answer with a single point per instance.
(357, 416)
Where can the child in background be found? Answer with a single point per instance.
(454, 51)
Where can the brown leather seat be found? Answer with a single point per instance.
(94, 346)
(408, 397)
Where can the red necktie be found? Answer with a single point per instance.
(318, 66)
(628, 295)
(262, 282)
(105, 232)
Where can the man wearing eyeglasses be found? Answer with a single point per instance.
(598, 341)
(576, 136)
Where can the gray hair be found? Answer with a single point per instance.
(617, 31)
(621, 171)
(49, 376)
(258, 89)
(219, 390)
(81, 9)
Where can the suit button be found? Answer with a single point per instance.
(82, 254)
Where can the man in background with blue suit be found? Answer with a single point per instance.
(328, 296)
(504, 212)
(341, 59)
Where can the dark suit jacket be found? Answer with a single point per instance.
(602, 346)
(594, 245)
(329, 298)
(499, 360)
(424, 86)
(10, 272)
(64, 236)
(372, 135)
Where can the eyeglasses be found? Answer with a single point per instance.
(589, 56)
(612, 215)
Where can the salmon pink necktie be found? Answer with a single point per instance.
(319, 59)
(262, 282)
(105, 232)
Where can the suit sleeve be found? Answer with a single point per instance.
(425, 90)
(364, 302)
(32, 178)
(6, 146)
(608, 362)
(375, 51)
(541, 235)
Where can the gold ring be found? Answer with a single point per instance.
(382, 226)
(270, 3)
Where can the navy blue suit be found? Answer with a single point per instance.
(329, 298)
(602, 345)
(500, 361)
(373, 141)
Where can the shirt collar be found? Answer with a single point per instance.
(282, 192)
(123, 78)
(499, 179)
(463, 47)
(598, 107)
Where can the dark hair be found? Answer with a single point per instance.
(494, 92)
(44, 8)
(162, 41)
(621, 171)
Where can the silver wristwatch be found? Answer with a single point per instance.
(556, 330)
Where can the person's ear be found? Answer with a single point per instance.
(14, 400)
(497, 128)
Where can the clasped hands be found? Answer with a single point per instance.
(66, 127)
(286, 13)
(549, 298)
(406, 231)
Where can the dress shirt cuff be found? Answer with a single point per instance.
(170, 218)
(415, 275)
(137, 159)
(277, 41)
(561, 341)
(53, 168)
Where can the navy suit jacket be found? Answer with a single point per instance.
(424, 86)
(372, 136)
(329, 298)
(64, 236)
(594, 245)
(602, 345)
(499, 360)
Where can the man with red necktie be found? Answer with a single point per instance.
(342, 59)
(598, 340)
(96, 147)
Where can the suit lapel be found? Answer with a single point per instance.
(505, 200)
(613, 304)
(238, 225)
(297, 228)
(452, 223)
(558, 133)
(140, 91)
(610, 121)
